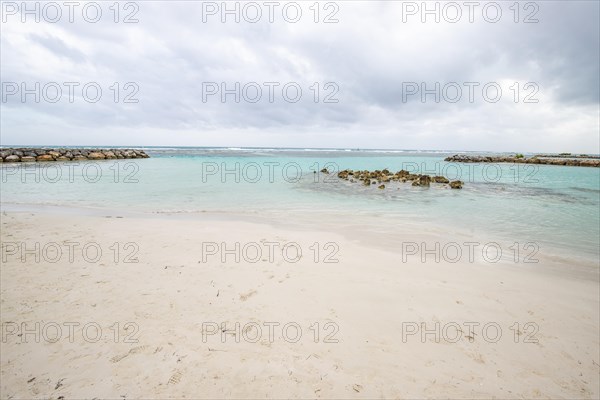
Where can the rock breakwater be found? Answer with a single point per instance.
(546, 159)
(11, 155)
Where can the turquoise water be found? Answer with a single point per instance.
(556, 207)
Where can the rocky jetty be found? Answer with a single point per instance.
(381, 177)
(575, 161)
(566, 155)
(9, 155)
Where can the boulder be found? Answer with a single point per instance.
(424, 180)
(381, 187)
(440, 179)
(342, 174)
(45, 157)
(12, 158)
(96, 156)
(456, 184)
(27, 159)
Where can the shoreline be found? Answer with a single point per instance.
(361, 232)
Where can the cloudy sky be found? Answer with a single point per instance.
(354, 74)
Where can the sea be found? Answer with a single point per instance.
(553, 210)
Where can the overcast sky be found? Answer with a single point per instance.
(371, 66)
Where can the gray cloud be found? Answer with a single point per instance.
(369, 54)
(58, 47)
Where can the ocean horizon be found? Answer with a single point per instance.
(275, 148)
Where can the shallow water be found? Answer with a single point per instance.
(556, 207)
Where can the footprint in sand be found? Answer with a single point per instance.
(477, 357)
(175, 378)
(244, 297)
(135, 350)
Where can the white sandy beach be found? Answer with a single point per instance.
(299, 200)
(367, 303)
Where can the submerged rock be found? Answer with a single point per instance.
(423, 180)
(440, 179)
(456, 184)
(383, 177)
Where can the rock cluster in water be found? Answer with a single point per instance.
(8, 155)
(384, 176)
(575, 161)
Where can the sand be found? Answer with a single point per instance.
(153, 328)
